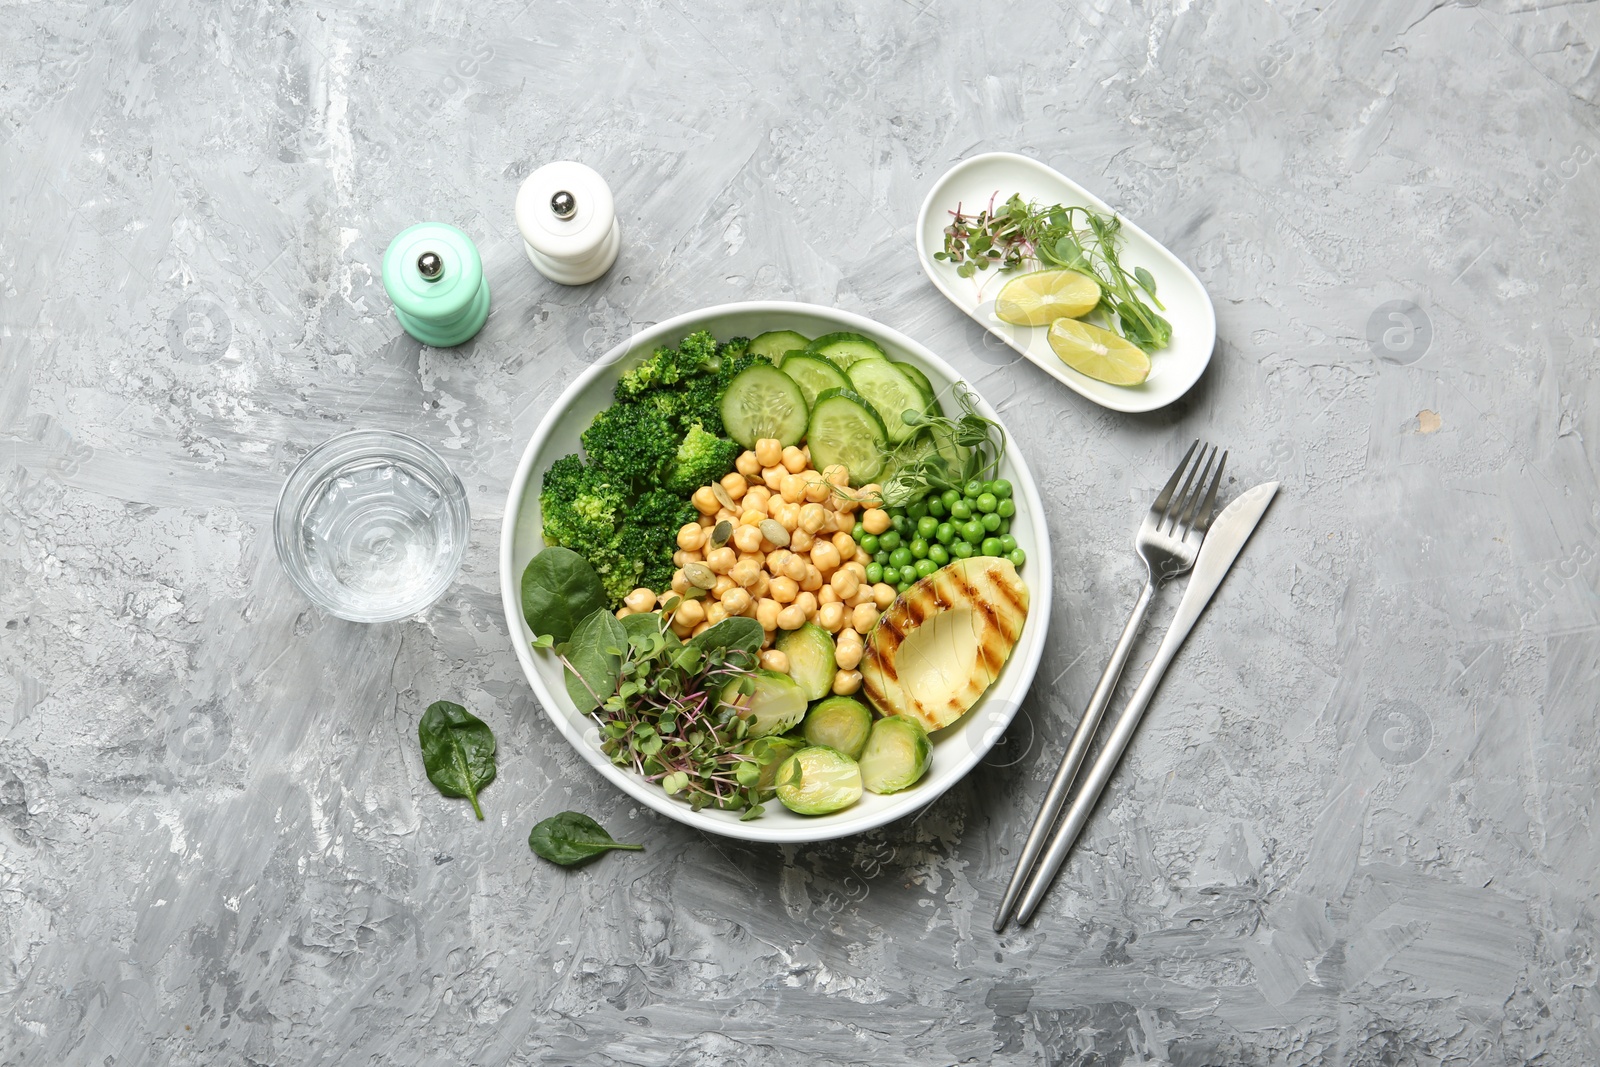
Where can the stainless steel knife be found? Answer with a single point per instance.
(1221, 547)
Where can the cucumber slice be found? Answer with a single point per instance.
(845, 349)
(838, 722)
(845, 429)
(924, 383)
(897, 755)
(774, 343)
(811, 663)
(762, 402)
(817, 780)
(813, 374)
(890, 391)
(775, 705)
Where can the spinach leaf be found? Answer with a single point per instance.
(573, 837)
(736, 632)
(559, 589)
(457, 750)
(594, 659)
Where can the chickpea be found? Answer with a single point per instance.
(856, 567)
(767, 613)
(715, 613)
(775, 505)
(846, 545)
(748, 465)
(773, 660)
(750, 516)
(769, 453)
(624, 612)
(793, 488)
(680, 582)
(876, 520)
(689, 612)
(846, 505)
(825, 556)
(837, 474)
(705, 501)
(817, 490)
(871, 492)
(683, 557)
(844, 583)
(640, 600)
(762, 586)
(700, 629)
(776, 559)
(745, 572)
(691, 535)
(784, 590)
(754, 557)
(831, 618)
(682, 629)
(811, 517)
(864, 618)
(724, 583)
(848, 649)
(735, 601)
(795, 568)
(721, 560)
(830, 523)
(791, 618)
(828, 595)
(794, 460)
(846, 682)
(812, 581)
(883, 595)
(725, 515)
(735, 484)
(768, 636)
(863, 596)
(807, 602)
(755, 499)
(801, 541)
(773, 476)
(788, 516)
(747, 539)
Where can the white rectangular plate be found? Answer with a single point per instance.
(972, 183)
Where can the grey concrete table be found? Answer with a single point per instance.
(1359, 824)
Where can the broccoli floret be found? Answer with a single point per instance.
(649, 538)
(580, 504)
(702, 459)
(633, 443)
(732, 348)
(695, 354)
(731, 367)
(698, 400)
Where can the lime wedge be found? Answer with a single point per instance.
(1044, 296)
(1100, 354)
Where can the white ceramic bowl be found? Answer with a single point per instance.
(956, 749)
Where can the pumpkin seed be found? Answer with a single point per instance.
(699, 575)
(720, 535)
(774, 531)
(722, 496)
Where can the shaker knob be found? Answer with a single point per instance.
(568, 222)
(434, 276)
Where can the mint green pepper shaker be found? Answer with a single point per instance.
(434, 276)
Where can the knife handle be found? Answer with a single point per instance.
(1100, 772)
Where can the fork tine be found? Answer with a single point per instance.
(1185, 518)
(1207, 510)
(1165, 497)
(1169, 517)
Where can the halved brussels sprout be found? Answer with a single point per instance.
(818, 780)
(769, 754)
(774, 704)
(811, 659)
(839, 722)
(898, 753)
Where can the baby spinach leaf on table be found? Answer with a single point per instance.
(457, 750)
(594, 659)
(573, 837)
(559, 590)
(736, 632)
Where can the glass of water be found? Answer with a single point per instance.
(372, 525)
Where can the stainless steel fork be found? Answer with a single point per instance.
(1167, 542)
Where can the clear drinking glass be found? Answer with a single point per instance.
(372, 525)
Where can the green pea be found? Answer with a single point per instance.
(1000, 488)
(1005, 525)
(919, 549)
(961, 550)
(939, 554)
(908, 574)
(858, 532)
(972, 488)
(936, 507)
(890, 540)
(926, 526)
(945, 533)
(1006, 507)
(1017, 557)
(948, 497)
(926, 567)
(990, 546)
(991, 522)
(960, 510)
(881, 557)
(1008, 543)
(900, 557)
(901, 587)
(972, 531)
(869, 544)
(917, 510)
(874, 573)
(901, 523)
(987, 502)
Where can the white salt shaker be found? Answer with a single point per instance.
(568, 222)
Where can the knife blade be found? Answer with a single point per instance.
(1221, 547)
